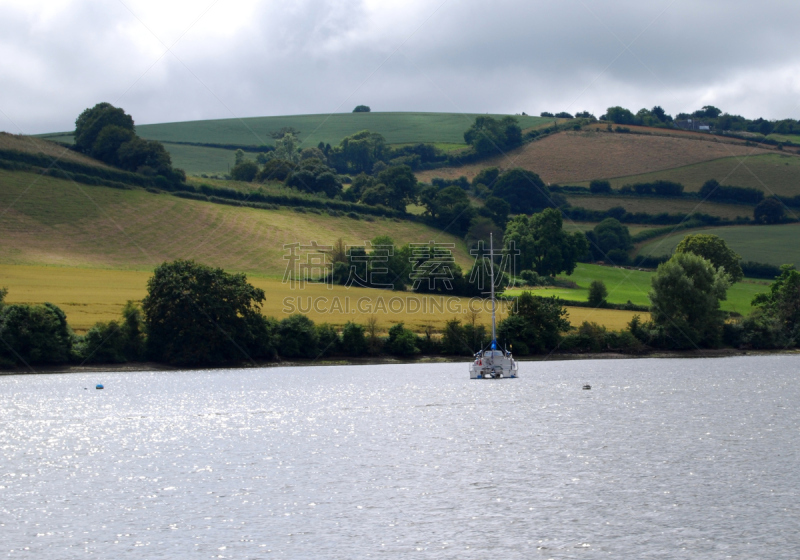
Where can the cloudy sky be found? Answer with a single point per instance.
(184, 60)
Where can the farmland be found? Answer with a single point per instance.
(655, 205)
(569, 157)
(396, 128)
(775, 245)
(91, 295)
(633, 285)
(774, 173)
(56, 222)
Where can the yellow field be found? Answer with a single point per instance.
(91, 295)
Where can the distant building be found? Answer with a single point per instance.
(693, 124)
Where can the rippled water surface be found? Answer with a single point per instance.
(660, 459)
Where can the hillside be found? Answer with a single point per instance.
(572, 157)
(53, 221)
(775, 173)
(774, 245)
(397, 128)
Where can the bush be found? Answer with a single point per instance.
(354, 342)
(361, 109)
(401, 341)
(297, 337)
(245, 171)
(33, 335)
(327, 339)
(599, 187)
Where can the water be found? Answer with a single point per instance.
(661, 459)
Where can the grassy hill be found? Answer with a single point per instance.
(654, 205)
(572, 157)
(446, 129)
(775, 245)
(57, 222)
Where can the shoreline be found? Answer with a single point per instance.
(388, 360)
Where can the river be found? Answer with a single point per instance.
(662, 458)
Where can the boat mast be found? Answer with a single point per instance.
(491, 272)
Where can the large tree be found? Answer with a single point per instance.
(196, 315)
(610, 240)
(524, 191)
(491, 136)
(534, 325)
(684, 300)
(91, 122)
(782, 302)
(714, 249)
(543, 244)
(33, 334)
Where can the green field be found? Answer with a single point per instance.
(633, 285)
(653, 205)
(589, 226)
(794, 138)
(397, 128)
(446, 130)
(773, 173)
(48, 221)
(775, 245)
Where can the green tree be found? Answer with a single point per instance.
(328, 339)
(450, 208)
(619, 115)
(91, 122)
(497, 210)
(244, 171)
(684, 298)
(196, 314)
(354, 342)
(108, 142)
(769, 211)
(524, 191)
(610, 240)
(543, 244)
(395, 187)
(298, 338)
(534, 325)
(491, 136)
(144, 156)
(34, 334)
(597, 293)
(486, 177)
(714, 249)
(454, 340)
(401, 341)
(361, 109)
(599, 187)
(782, 302)
(238, 156)
(359, 153)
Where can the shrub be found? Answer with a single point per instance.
(401, 342)
(353, 343)
(33, 335)
(245, 171)
(599, 187)
(297, 337)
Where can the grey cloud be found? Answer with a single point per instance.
(318, 56)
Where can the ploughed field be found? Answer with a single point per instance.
(570, 157)
(776, 173)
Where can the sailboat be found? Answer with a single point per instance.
(492, 362)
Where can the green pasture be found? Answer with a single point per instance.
(397, 128)
(795, 138)
(654, 205)
(633, 285)
(775, 245)
(773, 173)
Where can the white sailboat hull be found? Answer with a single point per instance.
(494, 368)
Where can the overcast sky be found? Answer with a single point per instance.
(184, 60)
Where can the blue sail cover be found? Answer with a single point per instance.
(494, 345)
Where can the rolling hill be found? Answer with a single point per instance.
(774, 245)
(398, 128)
